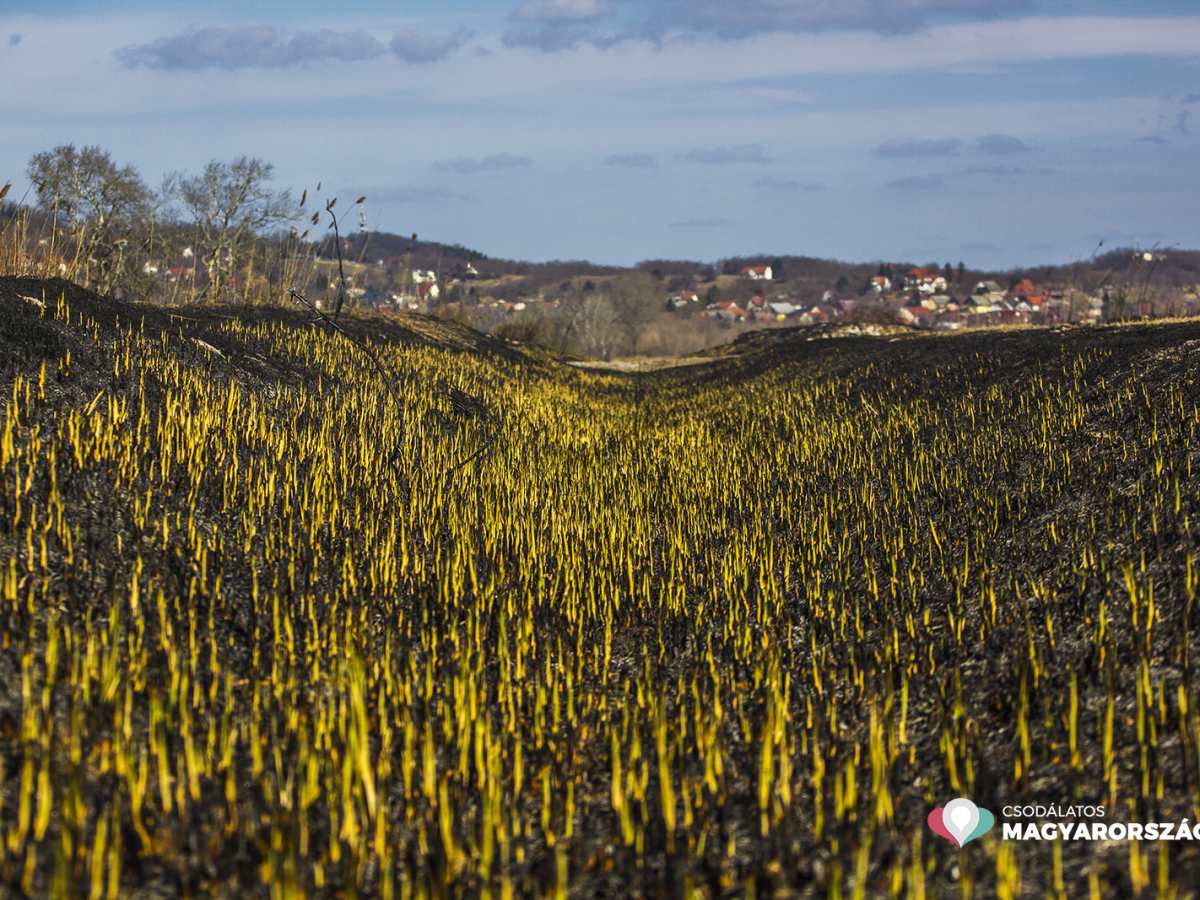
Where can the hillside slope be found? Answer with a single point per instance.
(275, 620)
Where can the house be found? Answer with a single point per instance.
(424, 276)
(918, 315)
(427, 291)
(782, 310)
(466, 270)
(925, 281)
(1024, 289)
(881, 284)
(757, 273)
(683, 298)
(986, 294)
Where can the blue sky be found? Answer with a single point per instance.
(997, 132)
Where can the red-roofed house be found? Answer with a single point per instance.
(757, 273)
(925, 281)
(1023, 289)
(917, 315)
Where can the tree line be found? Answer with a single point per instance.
(105, 228)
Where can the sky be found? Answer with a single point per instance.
(1001, 133)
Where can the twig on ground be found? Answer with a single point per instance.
(488, 443)
(387, 382)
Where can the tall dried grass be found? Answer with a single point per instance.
(29, 245)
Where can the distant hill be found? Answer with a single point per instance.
(1169, 268)
(390, 249)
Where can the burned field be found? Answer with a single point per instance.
(724, 630)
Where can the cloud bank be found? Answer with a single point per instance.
(561, 11)
(416, 46)
(243, 47)
(734, 19)
(468, 166)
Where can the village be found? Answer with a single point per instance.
(916, 296)
(920, 298)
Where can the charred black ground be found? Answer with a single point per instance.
(996, 693)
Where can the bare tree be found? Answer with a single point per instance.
(586, 321)
(105, 210)
(231, 205)
(636, 301)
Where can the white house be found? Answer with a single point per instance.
(757, 273)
